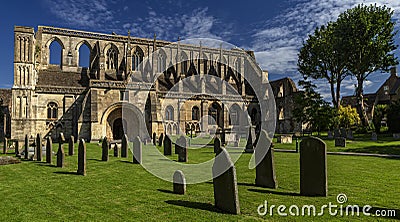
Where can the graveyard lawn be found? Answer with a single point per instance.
(118, 190)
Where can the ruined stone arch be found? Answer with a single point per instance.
(77, 49)
(48, 44)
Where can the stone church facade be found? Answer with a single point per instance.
(87, 102)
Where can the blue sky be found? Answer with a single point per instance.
(275, 30)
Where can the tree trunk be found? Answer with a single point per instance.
(334, 101)
(337, 105)
(360, 103)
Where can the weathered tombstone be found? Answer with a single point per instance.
(49, 144)
(179, 182)
(167, 146)
(26, 148)
(116, 151)
(265, 170)
(60, 155)
(249, 144)
(38, 148)
(285, 139)
(343, 132)
(336, 133)
(330, 135)
(217, 146)
(225, 184)
(16, 148)
(5, 145)
(124, 146)
(82, 158)
(340, 142)
(71, 145)
(350, 134)
(374, 136)
(181, 146)
(313, 167)
(154, 138)
(104, 147)
(223, 137)
(137, 150)
(161, 139)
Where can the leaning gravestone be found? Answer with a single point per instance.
(124, 146)
(154, 139)
(374, 136)
(5, 145)
(104, 147)
(60, 155)
(26, 148)
(161, 139)
(330, 135)
(249, 144)
(71, 145)
(313, 167)
(217, 146)
(38, 148)
(265, 170)
(225, 184)
(340, 142)
(137, 150)
(49, 144)
(179, 182)
(181, 146)
(81, 158)
(167, 146)
(116, 151)
(16, 148)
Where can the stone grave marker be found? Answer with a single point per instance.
(330, 135)
(154, 138)
(124, 146)
(16, 148)
(116, 151)
(340, 142)
(313, 167)
(249, 144)
(264, 156)
(26, 148)
(336, 133)
(81, 158)
(161, 139)
(181, 146)
(396, 135)
(374, 136)
(5, 145)
(49, 144)
(104, 153)
(343, 132)
(167, 146)
(71, 145)
(38, 148)
(179, 182)
(60, 155)
(217, 146)
(285, 139)
(137, 150)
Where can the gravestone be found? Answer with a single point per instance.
(313, 167)
(181, 146)
(330, 135)
(60, 155)
(284, 139)
(396, 135)
(350, 135)
(161, 139)
(82, 158)
(124, 146)
(71, 145)
(374, 136)
(5, 145)
(217, 146)
(104, 147)
(225, 184)
(116, 151)
(154, 138)
(336, 133)
(340, 142)
(137, 150)
(223, 137)
(16, 148)
(167, 146)
(179, 182)
(26, 148)
(343, 132)
(38, 152)
(265, 170)
(249, 144)
(49, 144)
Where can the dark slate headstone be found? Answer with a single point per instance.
(137, 150)
(313, 167)
(217, 146)
(154, 138)
(181, 146)
(124, 146)
(116, 151)
(38, 148)
(179, 182)
(249, 144)
(82, 158)
(167, 146)
(161, 139)
(49, 144)
(264, 156)
(60, 155)
(71, 145)
(340, 142)
(374, 136)
(104, 147)
(5, 145)
(26, 147)
(16, 148)
(330, 135)
(225, 184)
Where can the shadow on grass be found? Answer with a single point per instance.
(195, 205)
(98, 160)
(66, 173)
(391, 150)
(165, 191)
(45, 164)
(126, 161)
(273, 192)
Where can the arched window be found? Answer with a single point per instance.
(84, 55)
(169, 113)
(112, 58)
(52, 110)
(195, 113)
(137, 58)
(55, 50)
(234, 115)
(213, 114)
(161, 61)
(184, 63)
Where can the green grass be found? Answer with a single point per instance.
(121, 191)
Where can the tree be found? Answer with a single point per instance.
(347, 117)
(312, 109)
(322, 57)
(367, 36)
(379, 113)
(393, 117)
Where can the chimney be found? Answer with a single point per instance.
(393, 71)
